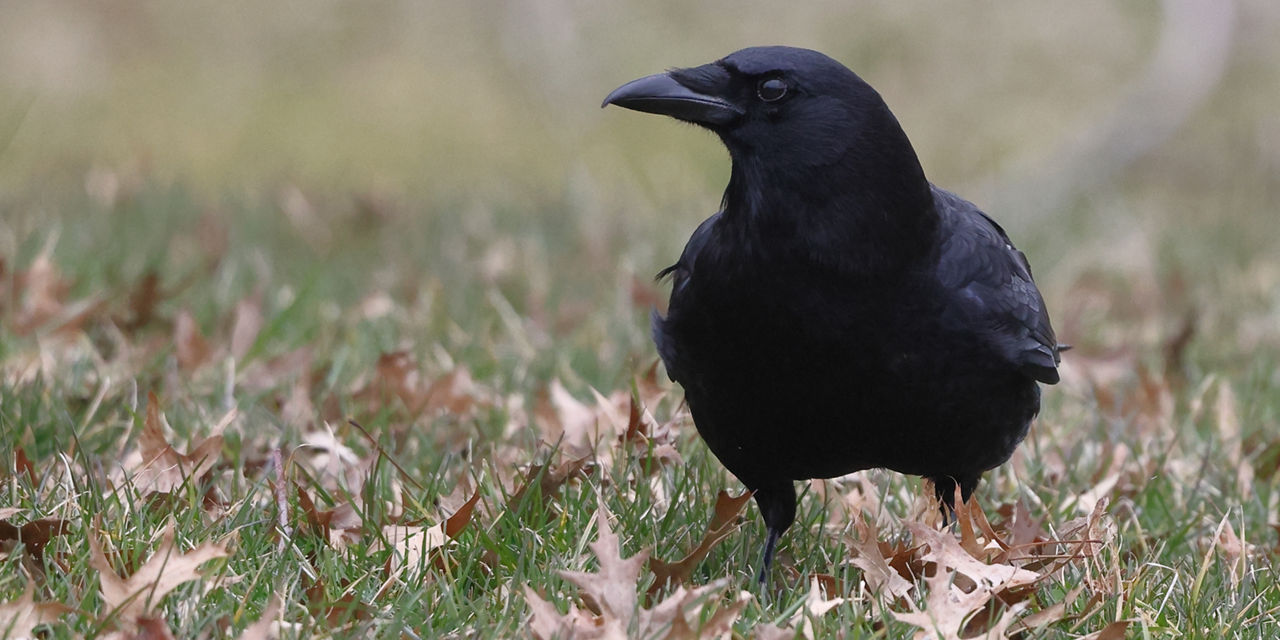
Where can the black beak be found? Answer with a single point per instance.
(662, 94)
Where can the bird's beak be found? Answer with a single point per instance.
(662, 94)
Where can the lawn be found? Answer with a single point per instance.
(325, 319)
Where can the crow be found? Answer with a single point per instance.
(840, 312)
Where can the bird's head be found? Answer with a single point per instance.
(773, 104)
(817, 155)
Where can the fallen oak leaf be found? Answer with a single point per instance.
(329, 525)
(129, 598)
(411, 545)
(546, 623)
(881, 578)
(572, 425)
(22, 464)
(947, 553)
(669, 619)
(40, 288)
(454, 393)
(152, 628)
(344, 609)
(550, 478)
(612, 610)
(1235, 552)
(947, 610)
(34, 535)
(648, 387)
(189, 344)
(1049, 615)
(142, 302)
(653, 444)
(19, 618)
(1114, 631)
(164, 469)
(246, 325)
(611, 591)
(723, 522)
(815, 605)
(267, 627)
(770, 631)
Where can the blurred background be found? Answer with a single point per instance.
(457, 151)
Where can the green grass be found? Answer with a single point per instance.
(441, 183)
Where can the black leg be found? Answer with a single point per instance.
(944, 487)
(778, 506)
(770, 544)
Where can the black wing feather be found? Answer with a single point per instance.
(993, 288)
(679, 273)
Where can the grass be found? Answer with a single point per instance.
(314, 173)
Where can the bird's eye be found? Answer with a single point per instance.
(772, 89)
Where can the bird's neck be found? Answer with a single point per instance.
(864, 214)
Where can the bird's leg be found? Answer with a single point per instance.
(944, 487)
(778, 506)
(770, 543)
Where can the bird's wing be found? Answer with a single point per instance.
(680, 274)
(993, 288)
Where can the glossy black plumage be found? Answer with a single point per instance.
(840, 312)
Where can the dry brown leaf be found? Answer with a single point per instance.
(882, 580)
(551, 479)
(611, 591)
(947, 553)
(654, 444)
(129, 598)
(411, 545)
(1090, 533)
(1232, 439)
(1113, 631)
(571, 425)
(1049, 615)
(23, 464)
(723, 522)
(770, 631)
(246, 325)
(948, 608)
(33, 535)
(267, 627)
(164, 469)
(815, 605)
(189, 343)
(19, 618)
(454, 393)
(334, 612)
(40, 292)
(546, 623)
(612, 608)
(651, 391)
(142, 301)
(670, 618)
(152, 628)
(337, 526)
(279, 370)
(1235, 552)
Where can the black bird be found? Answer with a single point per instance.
(840, 312)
